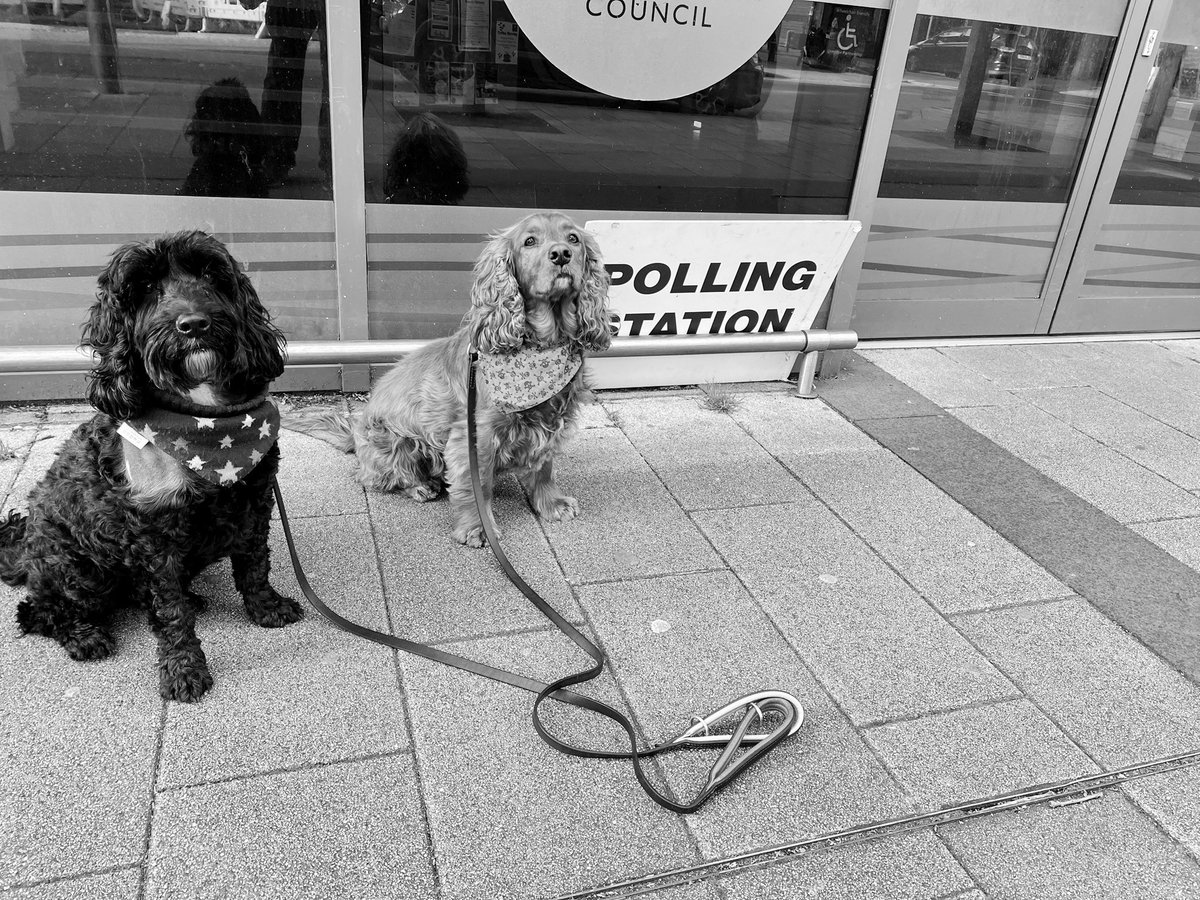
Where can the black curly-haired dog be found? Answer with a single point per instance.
(427, 164)
(173, 473)
(228, 141)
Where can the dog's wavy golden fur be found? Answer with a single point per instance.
(540, 283)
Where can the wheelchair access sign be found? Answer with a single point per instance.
(648, 49)
(715, 277)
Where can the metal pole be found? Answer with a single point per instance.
(322, 353)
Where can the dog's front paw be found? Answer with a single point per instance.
(87, 642)
(184, 676)
(470, 536)
(271, 609)
(560, 509)
(423, 492)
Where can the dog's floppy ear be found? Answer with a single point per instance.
(117, 383)
(497, 316)
(594, 333)
(263, 343)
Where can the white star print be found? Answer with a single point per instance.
(265, 430)
(149, 433)
(179, 444)
(229, 472)
(205, 423)
(195, 463)
(248, 421)
(255, 457)
(226, 442)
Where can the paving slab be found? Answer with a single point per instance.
(42, 453)
(353, 830)
(977, 752)
(861, 393)
(629, 525)
(439, 590)
(1142, 438)
(1013, 367)
(1107, 692)
(945, 381)
(1179, 537)
(955, 560)
(510, 817)
(703, 457)
(687, 645)
(317, 479)
(872, 641)
(909, 867)
(1172, 799)
(325, 706)
(80, 742)
(785, 425)
(1144, 589)
(120, 885)
(1105, 848)
(1112, 482)
(15, 443)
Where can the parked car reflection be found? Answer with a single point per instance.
(1011, 55)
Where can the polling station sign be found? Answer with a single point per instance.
(716, 277)
(648, 49)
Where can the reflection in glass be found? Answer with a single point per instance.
(781, 134)
(196, 97)
(1162, 164)
(993, 111)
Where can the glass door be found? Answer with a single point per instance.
(999, 109)
(1138, 269)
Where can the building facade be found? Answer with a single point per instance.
(1019, 169)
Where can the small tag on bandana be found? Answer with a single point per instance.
(521, 380)
(220, 449)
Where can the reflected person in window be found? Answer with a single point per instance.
(291, 24)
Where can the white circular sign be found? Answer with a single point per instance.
(648, 49)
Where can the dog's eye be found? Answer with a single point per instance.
(530, 241)
(572, 239)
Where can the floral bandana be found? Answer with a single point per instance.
(220, 444)
(521, 380)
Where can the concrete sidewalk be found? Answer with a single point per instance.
(976, 567)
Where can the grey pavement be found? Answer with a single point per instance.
(975, 566)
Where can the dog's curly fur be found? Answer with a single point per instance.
(111, 524)
(540, 283)
(228, 142)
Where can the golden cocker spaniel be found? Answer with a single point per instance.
(539, 303)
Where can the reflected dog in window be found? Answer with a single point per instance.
(427, 164)
(539, 304)
(228, 142)
(172, 474)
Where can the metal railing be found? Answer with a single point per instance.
(65, 358)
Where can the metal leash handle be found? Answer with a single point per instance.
(727, 766)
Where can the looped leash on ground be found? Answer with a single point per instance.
(701, 733)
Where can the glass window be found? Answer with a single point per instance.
(1162, 164)
(193, 97)
(462, 108)
(993, 111)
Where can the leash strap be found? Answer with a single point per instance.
(699, 734)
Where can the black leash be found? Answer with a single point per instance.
(754, 707)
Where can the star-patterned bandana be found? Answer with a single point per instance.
(220, 444)
(521, 380)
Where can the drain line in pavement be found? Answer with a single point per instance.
(1059, 793)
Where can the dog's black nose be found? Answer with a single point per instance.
(191, 323)
(560, 255)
